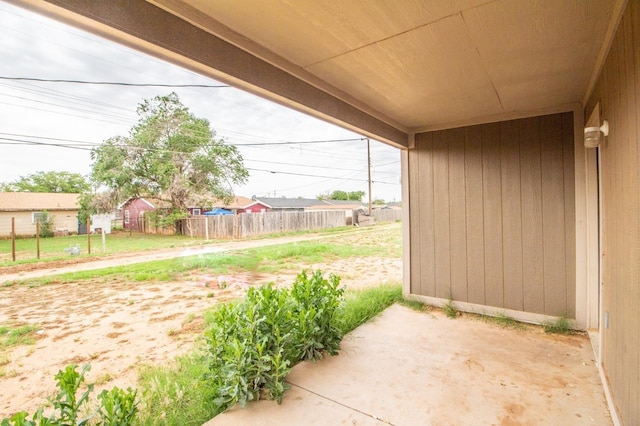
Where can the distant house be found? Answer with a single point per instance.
(134, 209)
(256, 207)
(286, 204)
(27, 207)
(237, 205)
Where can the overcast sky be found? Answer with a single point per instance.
(83, 115)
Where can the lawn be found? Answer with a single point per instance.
(283, 258)
(52, 249)
(119, 242)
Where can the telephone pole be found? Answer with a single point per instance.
(369, 171)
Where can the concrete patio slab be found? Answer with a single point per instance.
(416, 368)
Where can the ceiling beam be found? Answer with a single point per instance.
(152, 30)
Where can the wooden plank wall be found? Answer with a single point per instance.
(252, 224)
(618, 91)
(494, 210)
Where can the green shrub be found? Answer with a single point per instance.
(46, 225)
(315, 327)
(252, 345)
(117, 407)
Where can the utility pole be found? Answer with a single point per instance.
(369, 171)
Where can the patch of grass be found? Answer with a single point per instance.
(503, 321)
(176, 394)
(560, 326)
(359, 306)
(14, 335)
(7, 373)
(52, 249)
(450, 310)
(117, 242)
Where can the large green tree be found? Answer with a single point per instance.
(171, 155)
(48, 182)
(342, 195)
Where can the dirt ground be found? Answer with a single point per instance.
(119, 326)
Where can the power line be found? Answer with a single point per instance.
(63, 113)
(81, 146)
(298, 142)
(193, 133)
(319, 176)
(73, 108)
(113, 83)
(10, 141)
(303, 165)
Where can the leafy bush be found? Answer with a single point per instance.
(316, 301)
(252, 345)
(117, 408)
(46, 224)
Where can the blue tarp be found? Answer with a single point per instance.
(217, 212)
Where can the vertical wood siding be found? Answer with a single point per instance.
(618, 91)
(495, 212)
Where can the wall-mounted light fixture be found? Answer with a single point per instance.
(593, 135)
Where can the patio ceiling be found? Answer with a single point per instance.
(386, 68)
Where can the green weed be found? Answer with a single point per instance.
(117, 407)
(560, 326)
(450, 310)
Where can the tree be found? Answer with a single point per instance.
(49, 182)
(171, 155)
(342, 195)
(97, 203)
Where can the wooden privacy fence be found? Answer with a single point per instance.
(387, 215)
(252, 224)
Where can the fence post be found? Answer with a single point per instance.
(38, 238)
(235, 226)
(13, 238)
(89, 235)
(206, 228)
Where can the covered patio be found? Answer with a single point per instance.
(505, 210)
(420, 368)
